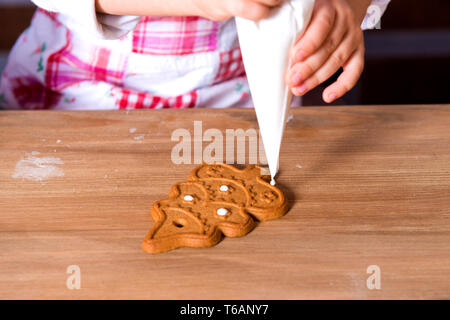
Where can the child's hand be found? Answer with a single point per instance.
(218, 10)
(333, 40)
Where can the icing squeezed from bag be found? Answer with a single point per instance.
(265, 47)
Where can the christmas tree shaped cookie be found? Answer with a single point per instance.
(217, 200)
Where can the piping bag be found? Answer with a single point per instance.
(265, 47)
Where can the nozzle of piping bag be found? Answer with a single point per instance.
(265, 47)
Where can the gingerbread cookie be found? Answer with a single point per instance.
(216, 200)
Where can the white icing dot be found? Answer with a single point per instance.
(273, 182)
(224, 188)
(222, 212)
(188, 198)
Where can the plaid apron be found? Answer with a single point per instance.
(166, 62)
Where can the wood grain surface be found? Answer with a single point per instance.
(367, 186)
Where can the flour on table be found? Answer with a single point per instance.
(139, 137)
(38, 169)
(133, 130)
(299, 166)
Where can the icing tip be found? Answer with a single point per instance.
(273, 182)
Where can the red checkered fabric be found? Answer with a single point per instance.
(129, 99)
(33, 95)
(231, 65)
(175, 35)
(71, 71)
(65, 68)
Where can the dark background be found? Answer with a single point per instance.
(407, 61)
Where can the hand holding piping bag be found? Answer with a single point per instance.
(265, 47)
(332, 40)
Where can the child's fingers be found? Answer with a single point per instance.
(254, 9)
(348, 79)
(322, 22)
(303, 70)
(330, 67)
(270, 3)
(250, 10)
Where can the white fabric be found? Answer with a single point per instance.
(374, 14)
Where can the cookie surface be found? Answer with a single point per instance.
(217, 200)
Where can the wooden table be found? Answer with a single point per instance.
(368, 186)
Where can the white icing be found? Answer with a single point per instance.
(188, 198)
(224, 188)
(265, 47)
(222, 212)
(273, 182)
